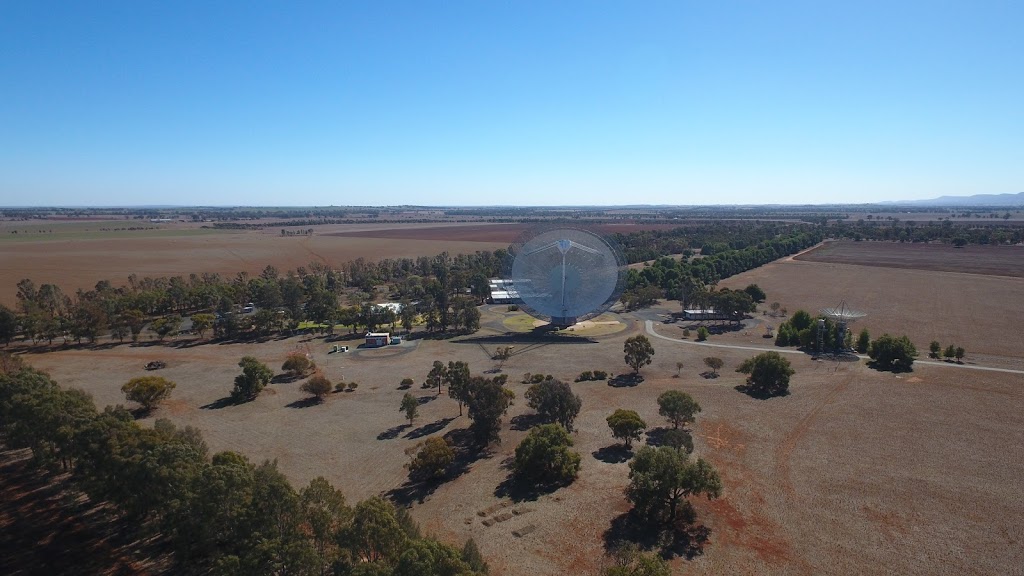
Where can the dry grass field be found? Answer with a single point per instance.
(82, 255)
(979, 312)
(973, 259)
(855, 472)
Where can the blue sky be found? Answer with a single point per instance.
(513, 103)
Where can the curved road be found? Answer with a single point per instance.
(650, 330)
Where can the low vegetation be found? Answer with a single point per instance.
(148, 391)
(317, 386)
(298, 364)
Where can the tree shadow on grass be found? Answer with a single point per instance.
(428, 429)
(393, 432)
(285, 378)
(614, 454)
(686, 538)
(518, 490)
(424, 399)
(305, 402)
(758, 393)
(218, 404)
(894, 369)
(526, 421)
(625, 380)
(467, 451)
(140, 412)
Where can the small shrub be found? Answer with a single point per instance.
(686, 332)
(538, 378)
(527, 378)
(585, 376)
(513, 308)
(318, 386)
(298, 364)
(406, 384)
(352, 386)
(702, 334)
(600, 375)
(339, 387)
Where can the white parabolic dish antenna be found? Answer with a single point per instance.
(566, 275)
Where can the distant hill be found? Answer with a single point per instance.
(976, 200)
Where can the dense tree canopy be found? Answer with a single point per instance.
(554, 401)
(223, 514)
(767, 374)
(893, 353)
(544, 456)
(626, 425)
(660, 480)
(254, 377)
(487, 401)
(677, 407)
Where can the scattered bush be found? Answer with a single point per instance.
(254, 377)
(433, 458)
(626, 425)
(298, 364)
(352, 386)
(339, 387)
(318, 386)
(678, 407)
(600, 375)
(702, 334)
(585, 376)
(147, 390)
(406, 384)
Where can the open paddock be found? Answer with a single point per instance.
(506, 233)
(80, 257)
(980, 313)
(972, 259)
(856, 471)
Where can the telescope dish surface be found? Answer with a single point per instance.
(566, 275)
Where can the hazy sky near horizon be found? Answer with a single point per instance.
(508, 102)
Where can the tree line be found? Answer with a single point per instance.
(219, 514)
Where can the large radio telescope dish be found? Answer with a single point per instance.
(566, 275)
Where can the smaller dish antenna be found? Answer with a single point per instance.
(842, 315)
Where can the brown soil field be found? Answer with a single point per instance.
(856, 471)
(80, 263)
(973, 259)
(488, 232)
(981, 313)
